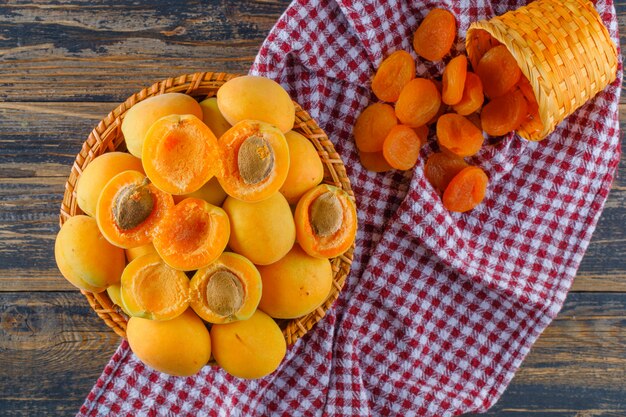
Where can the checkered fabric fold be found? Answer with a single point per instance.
(440, 308)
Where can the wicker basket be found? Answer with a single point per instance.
(562, 47)
(107, 136)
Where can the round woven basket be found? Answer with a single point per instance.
(107, 136)
(562, 47)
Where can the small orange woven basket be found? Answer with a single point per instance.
(107, 136)
(562, 47)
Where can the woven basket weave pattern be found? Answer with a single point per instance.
(564, 50)
(107, 136)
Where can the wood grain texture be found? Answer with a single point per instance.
(65, 64)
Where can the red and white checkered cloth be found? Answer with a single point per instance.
(440, 308)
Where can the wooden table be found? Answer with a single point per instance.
(64, 65)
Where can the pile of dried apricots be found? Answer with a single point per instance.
(214, 224)
(391, 137)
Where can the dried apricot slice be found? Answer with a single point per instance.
(504, 114)
(440, 168)
(473, 96)
(466, 190)
(372, 127)
(392, 75)
(454, 80)
(459, 136)
(402, 147)
(498, 71)
(227, 290)
(418, 103)
(192, 234)
(434, 37)
(130, 208)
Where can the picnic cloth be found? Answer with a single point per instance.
(440, 308)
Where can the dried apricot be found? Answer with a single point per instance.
(418, 103)
(454, 80)
(434, 37)
(392, 75)
(372, 127)
(440, 168)
(480, 42)
(504, 114)
(402, 147)
(466, 190)
(498, 71)
(422, 134)
(459, 136)
(374, 161)
(473, 96)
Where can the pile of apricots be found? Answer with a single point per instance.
(390, 136)
(213, 225)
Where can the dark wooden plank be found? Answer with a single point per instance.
(83, 50)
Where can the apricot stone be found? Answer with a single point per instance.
(256, 98)
(142, 115)
(250, 348)
(180, 347)
(85, 258)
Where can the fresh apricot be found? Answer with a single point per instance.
(295, 285)
(211, 192)
(139, 118)
(192, 234)
(256, 98)
(392, 75)
(434, 37)
(114, 293)
(85, 258)
(481, 41)
(498, 71)
(264, 231)
(402, 147)
(441, 167)
(130, 208)
(504, 114)
(153, 290)
(229, 289)
(459, 136)
(305, 167)
(372, 127)
(326, 221)
(374, 161)
(136, 252)
(213, 118)
(454, 80)
(418, 103)
(255, 159)
(180, 347)
(95, 176)
(180, 154)
(473, 96)
(250, 348)
(466, 190)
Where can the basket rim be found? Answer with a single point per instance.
(107, 137)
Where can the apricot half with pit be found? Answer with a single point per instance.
(130, 208)
(263, 232)
(192, 234)
(326, 221)
(255, 159)
(227, 290)
(295, 285)
(180, 347)
(256, 98)
(153, 290)
(85, 258)
(250, 348)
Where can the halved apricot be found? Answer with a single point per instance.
(255, 159)
(192, 234)
(326, 221)
(129, 209)
(227, 290)
(458, 135)
(180, 154)
(151, 289)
